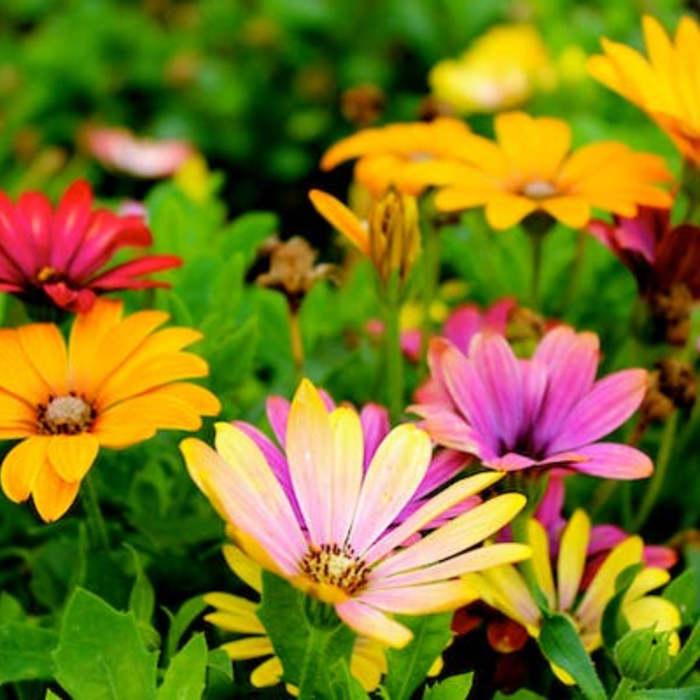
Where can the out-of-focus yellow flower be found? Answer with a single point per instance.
(390, 237)
(237, 614)
(506, 589)
(530, 168)
(500, 70)
(382, 152)
(194, 178)
(666, 85)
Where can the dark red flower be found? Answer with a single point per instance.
(58, 253)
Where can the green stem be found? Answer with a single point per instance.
(297, 343)
(311, 664)
(393, 355)
(657, 479)
(95, 522)
(536, 240)
(624, 689)
(432, 246)
(575, 269)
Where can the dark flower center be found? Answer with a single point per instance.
(65, 415)
(336, 566)
(49, 275)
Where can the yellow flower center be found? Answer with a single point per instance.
(48, 274)
(65, 415)
(539, 189)
(335, 566)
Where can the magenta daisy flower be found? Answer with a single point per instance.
(58, 255)
(549, 410)
(343, 549)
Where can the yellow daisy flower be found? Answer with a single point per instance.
(530, 168)
(506, 589)
(383, 151)
(115, 384)
(666, 85)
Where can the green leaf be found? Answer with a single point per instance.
(10, 608)
(667, 694)
(521, 694)
(453, 688)
(50, 695)
(179, 622)
(219, 675)
(100, 655)
(186, 674)
(684, 593)
(561, 645)
(247, 232)
(614, 624)
(25, 652)
(343, 685)
(319, 639)
(408, 667)
(684, 661)
(642, 655)
(142, 598)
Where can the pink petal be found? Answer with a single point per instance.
(78, 301)
(663, 557)
(443, 467)
(496, 316)
(550, 508)
(608, 405)
(448, 429)
(70, 223)
(571, 360)
(432, 391)
(411, 343)
(34, 214)
(375, 427)
(614, 461)
(510, 462)
(462, 325)
(605, 537)
(370, 622)
(15, 243)
(120, 277)
(534, 386)
(277, 409)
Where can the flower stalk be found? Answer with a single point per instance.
(97, 530)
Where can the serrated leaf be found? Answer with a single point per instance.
(684, 593)
(142, 598)
(185, 677)
(100, 655)
(179, 622)
(452, 688)
(408, 667)
(25, 652)
(561, 645)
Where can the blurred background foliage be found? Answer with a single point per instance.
(258, 88)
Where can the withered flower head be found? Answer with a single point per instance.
(292, 268)
(363, 104)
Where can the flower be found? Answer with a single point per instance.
(59, 253)
(235, 613)
(664, 85)
(342, 552)
(118, 382)
(530, 169)
(500, 70)
(658, 254)
(119, 149)
(383, 151)
(541, 412)
(390, 238)
(505, 588)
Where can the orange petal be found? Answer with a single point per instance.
(571, 211)
(20, 467)
(14, 410)
(52, 495)
(17, 374)
(507, 210)
(44, 346)
(73, 455)
(341, 218)
(197, 398)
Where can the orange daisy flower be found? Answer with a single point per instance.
(665, 85)
(383, 151)
(117, 382)
(530, 168)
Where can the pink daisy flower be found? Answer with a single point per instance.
(343, 550)
(516, 413)
(58, 253)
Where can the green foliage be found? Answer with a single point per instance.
(642, 655)
(614, 624)
(452, 688)
(409, 666)
(25, 651)
(185, 677)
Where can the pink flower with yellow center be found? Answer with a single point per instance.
(545, 411)
(57, 255)
(343, 551)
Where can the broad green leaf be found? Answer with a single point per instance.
(684, 662)
(520, 694)
(186, 675)
(319, 639)
(642, 655)
(219, 675)
(25, 652)
(100, 655)
(179, 622)
(10, 608)
(614, 624)
(684, 593)
(561, 645)
(142, 598)
(692, 693)
(452, 688)
(247, 232)
(343, 686)
(408, 667)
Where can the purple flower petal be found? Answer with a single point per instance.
(614, 461)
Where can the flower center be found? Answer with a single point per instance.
(48, 274)
(539, 189)
(66, 415)
(335, 566)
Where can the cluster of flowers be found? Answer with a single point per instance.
(369, 519)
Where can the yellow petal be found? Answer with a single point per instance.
(243, 566)
(17, 373)
(248, 648)
(341, 218)
(505, 211)
(51, 494)
(73, 455)
(538, 540)
(647, 580)
(652, 611)
(46, 349)
(20, 467)
(267, 673)
(571, 211)
(572, 558)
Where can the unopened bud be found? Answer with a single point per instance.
(394, 234)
